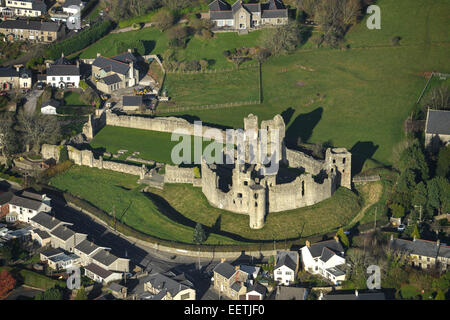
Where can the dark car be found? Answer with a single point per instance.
(40, 85)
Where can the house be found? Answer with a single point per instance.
(26, 8)
(58, 259)
(39, 31)
(63, 73)
(168, 288)
(325, 258)
(286, 267)
(86, 249)
(252, 271)
(230, 281)
(16, 77)
(101, 275)
(118, 291)
(65, 238)
(247, 16)
(437, 128)
(49, 107)
(423, 254)
(45, 222)
(132, 103)
(68, 13)
(337, 295)
(256, 291)
(290, 293)
(26, 206)
(108, 261)
(111, 74)
(42, 237)
(5, 197)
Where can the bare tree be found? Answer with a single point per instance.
(351, 9)
(36, 129)
(8, 138)
(438, 98)
(282, 40)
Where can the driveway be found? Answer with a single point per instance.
(31, 101)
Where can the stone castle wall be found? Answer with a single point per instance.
(175, 174)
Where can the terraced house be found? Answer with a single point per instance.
(247, 16)
(24, 8)
(15, 78)
(38, 31)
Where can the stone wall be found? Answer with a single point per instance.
(174, 174)
(49, 151)
(297, 159)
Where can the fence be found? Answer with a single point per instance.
(206, 107)
(363, 179)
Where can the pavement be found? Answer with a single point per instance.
(31, 100)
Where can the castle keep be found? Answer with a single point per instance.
(300, 181)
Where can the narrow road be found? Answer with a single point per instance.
(31, 101)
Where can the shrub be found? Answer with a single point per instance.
(197, 173)
(396, 40)
(63, 154)
(164, 19)
(59, 168)
(397, 210)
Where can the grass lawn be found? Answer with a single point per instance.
(73, 98)
(131, 205)
(223, 87)
(152, 145)
(173, 212)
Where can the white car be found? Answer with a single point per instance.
(401, 228)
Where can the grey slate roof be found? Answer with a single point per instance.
(287, 258)
(12, 72)
(114, 78)
(326, 254)
(63, 233)
(111, 65)
(6, 197)
(51, 102)
(438, 122)
(104, 257)
(31, 195)
(316, 249)
(444, 251)
(63, 70)
(96, 269)
(39, 5)
(25, 202)
(219, 5)
(69, 3)
(115, 287)
(125, 57)
(419, 247)
(42, 234)
(258, 287)
(220, 10)
(30, 25)
(132, 100)
(51, 252)
(225, 269)
(87, 247)
(162, 282)
(236, 286)
(45, 220)
(353, 296)
(290, 293)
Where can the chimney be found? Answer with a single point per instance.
(392, 237)
(53, 218)
(62, 54)
(336, 238)
(308, 244)
(438, 242)
(414, 238)
(130, 50)
(222, 260)
(98, 54)
(78, 63)
(356, 292)
(237, 267)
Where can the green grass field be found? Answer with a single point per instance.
(172, 213)
(73, 98)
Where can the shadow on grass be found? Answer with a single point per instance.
(361, 151)
(302, 127)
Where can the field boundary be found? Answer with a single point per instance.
(206, 107)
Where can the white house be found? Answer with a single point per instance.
(101, 275)
(26, 206)
(325, 258)
(256, 291)
(49, 107)
(286, 267)
(63, 74)
(27, 8)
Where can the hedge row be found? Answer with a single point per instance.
(79, 41)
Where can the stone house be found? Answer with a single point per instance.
(247, 16)
(437, 128)
(5, 197)
(26, 8)
(45, 222)
(108, 261)
(86, 250)
(325, 258)
(41, 237)
(230, 281)
(39, 31)
(118, 291)
(15, 78)
(58, 259)
(164, 287)
(63, 73)
(290, 293)
(423, 254)
(111, 74)
(286, 267)
(256, 291)
(65, 238)
(25, 206)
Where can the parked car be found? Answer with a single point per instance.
(40, 85)
(401, 228)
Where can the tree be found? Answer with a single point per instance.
(282, 39)
(8, 137)
(328, 14)
(438, 98)
(415, 233)
(199, 234)
(440, 295)
(439, 194)
(63, 154)
(197, 173)
(204, 64)
(81, 294)
(443, 163)
(351, 9)
(7, 283)
(413, 158)
(343, 238)
(397, 210)
(164, 19)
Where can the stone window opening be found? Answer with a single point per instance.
(343, 161)
(334, 160)
(255, 196)
(245, 183)
(303, 188)
(239, 195)
(256, 204)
